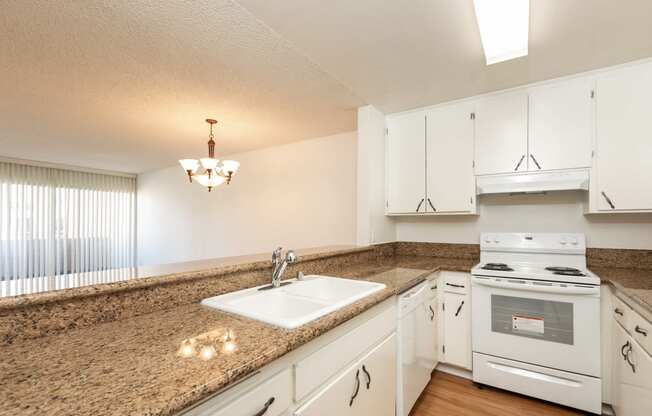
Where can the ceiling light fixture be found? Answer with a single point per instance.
(214, 173)
(504, 27)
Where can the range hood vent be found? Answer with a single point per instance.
(533, 182)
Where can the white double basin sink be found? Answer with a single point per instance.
(296, 302)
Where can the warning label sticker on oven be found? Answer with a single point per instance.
(530, 324)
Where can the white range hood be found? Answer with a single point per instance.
(533, 182)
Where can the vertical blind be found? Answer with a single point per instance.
(56, 221)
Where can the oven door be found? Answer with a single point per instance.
(549, 324)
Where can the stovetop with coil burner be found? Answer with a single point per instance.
(565, 271)
(536, 271)
(552, 257)
(501, 267)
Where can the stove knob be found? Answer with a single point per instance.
(573, 241)
(563, 241)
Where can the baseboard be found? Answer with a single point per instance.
(456, 371)
(607, 410)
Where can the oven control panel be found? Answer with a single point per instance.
(571, 243)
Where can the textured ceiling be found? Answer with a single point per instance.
(400, 55)
(125, 85)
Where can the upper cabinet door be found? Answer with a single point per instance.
(501, 133)
(561, 120)
(449, 148)
(624, 139)
(406, 173)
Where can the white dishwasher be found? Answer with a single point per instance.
(412, 370)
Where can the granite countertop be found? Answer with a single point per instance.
(133, 366)
(634, 286)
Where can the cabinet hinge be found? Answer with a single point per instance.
(473, 164)
(592, 153)
(386, 204)
(443, 306)
(592, 93)
(443, 349)
(471, 199)
(472, 116)
(386, 131)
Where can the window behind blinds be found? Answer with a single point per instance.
(56, 221)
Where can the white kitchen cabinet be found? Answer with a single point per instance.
(632, 376)
(561, 125)
(406, 163)
(366, 388)
(623, 140)
(449, 151)
(457, 334)
(501, 128)
(456, 320)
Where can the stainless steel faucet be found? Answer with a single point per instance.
(279, 266)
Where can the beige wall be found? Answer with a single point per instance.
(552, 212)
(296, 195)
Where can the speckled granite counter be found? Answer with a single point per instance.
(113, 349)
(634, 286)
(132, 366)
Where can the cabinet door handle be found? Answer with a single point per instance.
(459, 308)
(366, 373)
(454, 285)
(535, 161)
(268, 403)
(518, 165)
(431, 206)
(432, 314)
(618, 312)
(631, 364)
(640, 331)
(622, 350)
(420, 203)
(357, 388)
(611, 204)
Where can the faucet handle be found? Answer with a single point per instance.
(290, 257)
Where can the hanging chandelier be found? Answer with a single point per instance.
(214, 172)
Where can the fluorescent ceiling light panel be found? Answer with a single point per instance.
(504, 27)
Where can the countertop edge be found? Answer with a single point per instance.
(136, 283)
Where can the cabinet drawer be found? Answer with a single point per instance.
(641, 330)
(315, 369)
(455, 282)
(621, 312)
(273, 394)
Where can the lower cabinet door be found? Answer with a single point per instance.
(378, 395)
(367, 387)
(457, 330)
(632, 381)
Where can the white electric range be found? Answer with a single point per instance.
(536, 318)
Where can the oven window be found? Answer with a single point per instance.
(532, 318)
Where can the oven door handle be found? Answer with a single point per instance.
(569, 290)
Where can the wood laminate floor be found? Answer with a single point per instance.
(448, 395)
